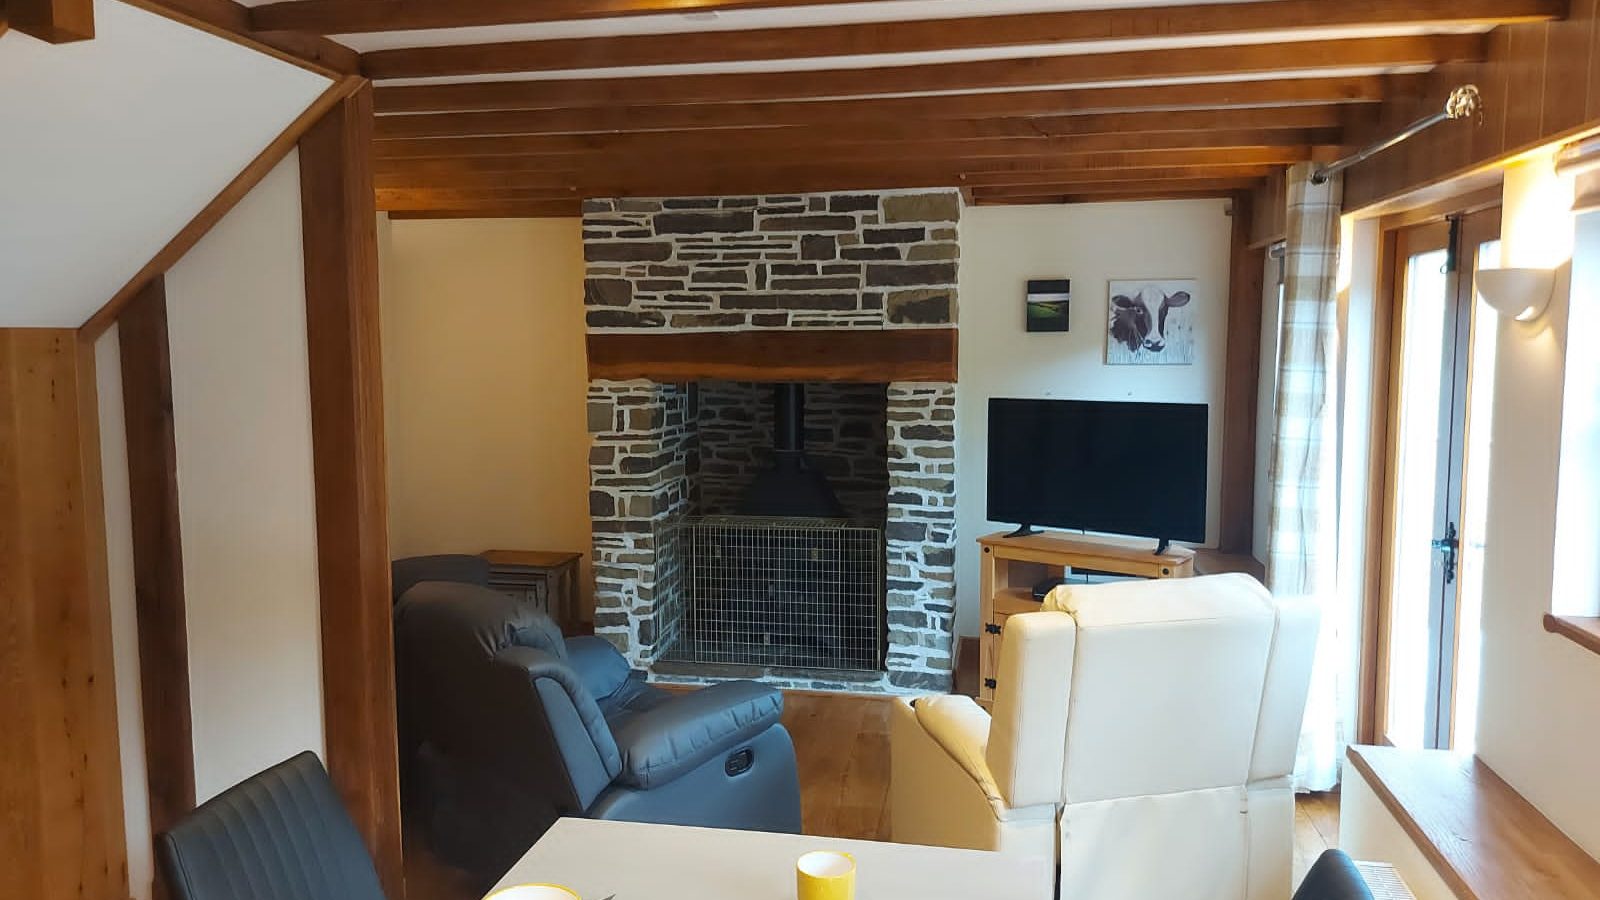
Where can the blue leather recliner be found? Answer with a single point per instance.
(507, 726)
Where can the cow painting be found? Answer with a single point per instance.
(1150, 323)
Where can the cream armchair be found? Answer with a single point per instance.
(1142, 736)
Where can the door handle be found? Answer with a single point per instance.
(1450, 546)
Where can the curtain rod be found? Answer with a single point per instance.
(1463, 102)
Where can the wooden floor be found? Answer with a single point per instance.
(842, 744)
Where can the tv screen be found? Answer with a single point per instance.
(1121, 468)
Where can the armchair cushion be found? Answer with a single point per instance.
(599, 666)
(961, 727)
(459, 567)
(662, 743)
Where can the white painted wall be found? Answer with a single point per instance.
(1001, 249)
(1537, 725)
(484, 385)
(1368, 831)
(242, 422)
(124, 615)
(112, 145)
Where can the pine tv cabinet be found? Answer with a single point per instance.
(1011, 566)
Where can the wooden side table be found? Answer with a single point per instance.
(1011, 566)
(546, 578)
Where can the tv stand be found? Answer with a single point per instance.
(1162, 546)
(1011, 564)
(1023, 531)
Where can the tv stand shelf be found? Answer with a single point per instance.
(1011, 566)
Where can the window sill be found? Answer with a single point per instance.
(1582, 630)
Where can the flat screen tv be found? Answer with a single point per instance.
(1120, 468)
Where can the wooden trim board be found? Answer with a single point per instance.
(833, 354)
(1483, 838)
(1582, 630)
(220, 205)
(342, 331)
(157, 556)
(52, 21)
(1241, 374)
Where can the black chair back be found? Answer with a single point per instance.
(1333, 877)
(278, 835)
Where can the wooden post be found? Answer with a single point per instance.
(1240, 380)
(341, 263)
(157, 556)
(61, 829)
(53, 21)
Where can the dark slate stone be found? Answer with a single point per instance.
(608, 619)
(906, 531)
(944, 557)
(840, 269)
(912, 273)
(794, 269)
(809, 223)
(602, 504)
(739, 202)
(620, 318)
(599, 416)
(761, 278)
(907, 618)
(598, 206)
(853, 203)
(702, 299)
(740, 275)
(770, 320)
(942, 206)
(707, 320)
(601, 456)
(920, 307)
(668, 271)
(928, 433)
(784, 210)
(726, 221)
(647, 632)
(644, 206)
(626, 251)
(872, 300)
(818, 246)
(788, 301)
(691, 203)
(938, 682)
(872, 253)
(607, 292)
(894, 235)
(816, 284)
(659, 285)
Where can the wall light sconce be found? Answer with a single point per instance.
(1520, 294)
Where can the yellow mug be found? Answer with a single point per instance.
(825, 875)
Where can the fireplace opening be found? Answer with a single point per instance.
(780, 561)
(791, 485)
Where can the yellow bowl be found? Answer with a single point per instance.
(534, 892)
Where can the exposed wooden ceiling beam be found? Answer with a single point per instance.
(1118, 197)
(230, 20)
(354, 16)
(776, 154)
(1123, 182)
(758, 178)
(1087, 68)
(51, 21)
(932, 35)
(492, 96)
(480, 124)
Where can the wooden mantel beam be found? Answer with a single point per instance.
(53, 21)
(353, 16)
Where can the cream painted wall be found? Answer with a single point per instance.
(1001, 249)
(1536, 722)
(242, 422)
(484, 386)
(124, 615)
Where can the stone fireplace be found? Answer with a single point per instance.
(696, 308)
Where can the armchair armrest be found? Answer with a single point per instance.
(673, 738)
(600, 667)
(959, 725)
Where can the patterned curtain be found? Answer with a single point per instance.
(1303, 535)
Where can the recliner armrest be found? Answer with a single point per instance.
(959, 725)
(600, 667)
(663, 743)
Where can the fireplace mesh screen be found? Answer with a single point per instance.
(783, 592)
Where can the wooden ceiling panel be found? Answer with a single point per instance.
(355, 16)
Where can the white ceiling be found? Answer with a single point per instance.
(108, 147)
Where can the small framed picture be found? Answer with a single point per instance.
(1151, 322)
(1049, 305)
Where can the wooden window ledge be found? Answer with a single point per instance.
(1584, 630)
